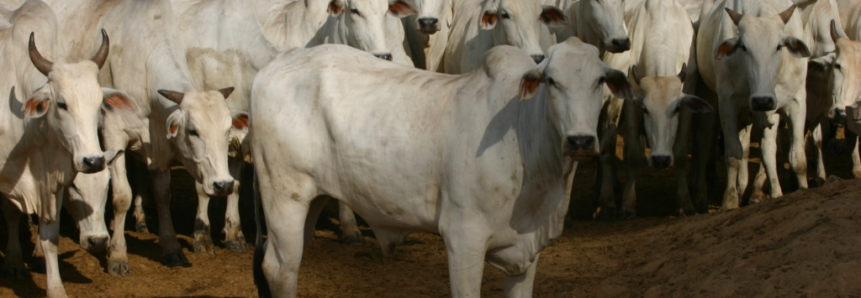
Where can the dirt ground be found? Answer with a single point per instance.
(807, 243)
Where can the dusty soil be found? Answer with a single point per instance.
(807, 243)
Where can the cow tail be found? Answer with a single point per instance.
(259, 246)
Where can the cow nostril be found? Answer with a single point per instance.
(581, 142)
(621, 44)
(841, 113)
(538, 58)
(660, 161)
(97, 243)
(762, 103)
(384, 56)
(428, 23)
(94, 163)
(223, 187)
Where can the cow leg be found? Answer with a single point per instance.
(234, 239)
(701, 155)
(118, 261)
(633, 159)
(769, 155)
(852, 140)
(758, 181)
(797, 155)
(13, 267)
(743, 172)
(38, 264)
(202, 230)
(608, 182)
(172, 252)
(466, 254)
(521, 286)
(350, 233)
(140, 216)
(681, 162)
(287, 222)
(629, 194)
(820, 159)
(49, 237)
(732, 151)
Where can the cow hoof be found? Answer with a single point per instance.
(176, 259)
(606, 214)
(353, 239)
(689, 211)
(118, 268)
(204, 247)
(237, 244)
(630, 214)
(141, 227)
(757, 197)
(12, 273)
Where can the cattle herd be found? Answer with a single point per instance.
(465, 118)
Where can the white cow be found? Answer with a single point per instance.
(662, 39)
(370, 25)
(184, 124)
(601, 23)
(475, 30)
(745, 54)
(471, 156)
(52, 135)
(427, 32)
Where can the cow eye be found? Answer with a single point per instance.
(193, 132)
(645, 111)
(504, 15)
(602, 80)
(551, 82)
(779, 47)
(62, 105)
(354, 11)
(837, 66)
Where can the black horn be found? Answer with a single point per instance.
(102, 55)
(43, 65)
(172, 95)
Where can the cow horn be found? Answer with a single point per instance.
(226, 91)
(43, 65)
(682, 73)
(786, 14)
(835, 35)
(172, 95)
(736, 17)
(102, 55)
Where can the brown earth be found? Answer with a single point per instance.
(807, 243)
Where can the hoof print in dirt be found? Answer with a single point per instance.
(237, 244)
(353, 239)
(204, 247)
(118, 268)
(141, 227)
(176, 259)
(12, 273)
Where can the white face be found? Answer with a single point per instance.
(760, 45)
(86, 203)
(844, 70)
(521, 22)
(573, 78)
(430, 15)
(200, 129)
(366, 20)
(608, 18)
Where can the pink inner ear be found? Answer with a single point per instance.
(35, 107)
(240, 122)
(723, 50)
(400, 9)
(334, 9)
(552, 17)
(488, 19)
(119, 102)
(528, 87)
(173, 129)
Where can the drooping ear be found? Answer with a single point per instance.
(240, 121)
(727, 48)
(796, 47)
(618, 84)
(173, 122)
(696, 104)
(682, 73)
(529, 83)
(116, 101)
(787, 14)
(634, 74)
(553, 17)
(226, 91)
(736, 17)
(401, 8)
(37, 105)
(488, 19)
(335, 7)
(835, 35)
(820, 66)
(111, 156)
(172, 95)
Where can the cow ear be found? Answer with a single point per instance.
(796, 47)
(529, 83)
(682, 73)
(553, 17)
(696, 104)
(488, 20)
(335, 7)
(727, 48)
(618, 84)
(173, 122)
(401, 8)
(116, 101)
(37, 105)
(240, 121)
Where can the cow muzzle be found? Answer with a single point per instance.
(96, 243)
(762, 103)
(385, 56)
(661, 161)
(222, 188)
(580, 147)
(92, 164)
(537, 58)
(428, 25)
(839, 116)
(619, 45)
